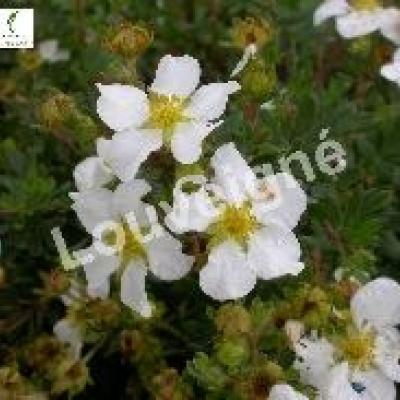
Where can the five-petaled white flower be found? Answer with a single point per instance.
(365, 363)
(125, 241)
(356, 18)
(50, 52)
(391, 71)
(249, 222)
(173, 113)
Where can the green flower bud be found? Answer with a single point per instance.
(259, 79)
(233, 352)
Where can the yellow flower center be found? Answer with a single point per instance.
(166, 112)
(358, 349)
(132, 246)
(365, 5)
(236, 223)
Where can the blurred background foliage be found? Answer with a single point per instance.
(48, 123)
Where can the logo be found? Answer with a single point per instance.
(16, 28)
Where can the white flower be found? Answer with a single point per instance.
(285, 392)
(173, 113)
(120, 245)
(50, 52)
(248, 221)
(360, 17)
(91, 173)
(391, 71)
(365, 363)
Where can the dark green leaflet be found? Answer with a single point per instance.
(11, 20)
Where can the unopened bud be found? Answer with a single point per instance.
(251, 30)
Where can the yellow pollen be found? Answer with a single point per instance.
(166, 112)
(236, 223)
(358, 349)
(132, 247)
(365, 5)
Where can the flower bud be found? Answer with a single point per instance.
(233, 352)
(232, 319)
(251, 30)
(259, 79)
(29, 60)
(128, 40)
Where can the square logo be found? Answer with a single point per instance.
(16, 28)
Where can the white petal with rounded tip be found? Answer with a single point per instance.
(133, 290)
(280, 199)
(274, 252)
(91, 173)
(329, 9)
(127, 150)
(233, 176)
(191, 212)
(67, 332)
(227, 275)
(285, 392)
(377, 304)
(358, 23)
(387, 353)
(165, 257)
(344, 384)
(186, 142)
(390, 24)
(315, 359)
(128, 199)
(209, 101)
(121, 106)
(98, 271)
(93, 207)
(177, 76)
(391, 72)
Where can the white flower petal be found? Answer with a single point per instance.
(358, 23)
(93, 207)
(121, 106)
(249, 52)
(133, 290)
(329, 9)
(191, 212)
(67, 332)
(387, 353)
(280, 199)
(177, 76)
(91, 173)
(285, 392)
(391, 72)
(227, 275)
(274, 252)
(165, 257)
(344, 384)
(377, 303)
(98, 271)
(208, 103)
(390, 24)
(127, 150)
(128, 198)
(186, 142)
(233, 176)
(315, 359)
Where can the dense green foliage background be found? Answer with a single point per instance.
(352, 220)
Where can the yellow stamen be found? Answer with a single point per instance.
(365, 5)
(166, 112)
(236, 223)
(358, 349)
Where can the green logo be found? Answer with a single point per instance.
(10, 21)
